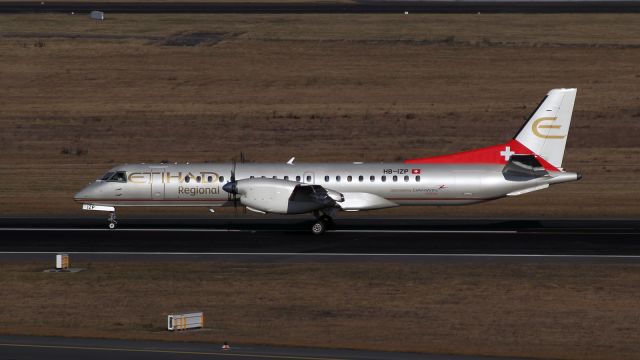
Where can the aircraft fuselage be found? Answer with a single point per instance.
(399, 183)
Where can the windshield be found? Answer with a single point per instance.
(119, 176)
(107, 176)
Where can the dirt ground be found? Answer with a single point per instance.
(541, 310)
(79, 97)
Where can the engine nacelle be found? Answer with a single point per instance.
(284, 196)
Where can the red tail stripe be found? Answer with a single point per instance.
(496, 154)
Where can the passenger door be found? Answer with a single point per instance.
(157, 183)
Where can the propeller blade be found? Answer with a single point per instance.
(235, 205)
(232, 189)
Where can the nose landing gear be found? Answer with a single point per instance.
(112, 220)
(112, 212)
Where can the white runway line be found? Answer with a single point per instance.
(429, 231)
(174, 352)
(568, 256)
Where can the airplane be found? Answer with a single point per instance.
(529, 162)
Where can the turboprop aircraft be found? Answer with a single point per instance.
(531, 161)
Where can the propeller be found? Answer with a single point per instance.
(232, 188)
(242, 160)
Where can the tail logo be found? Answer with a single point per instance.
(537, 126)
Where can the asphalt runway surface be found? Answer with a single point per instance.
(351, 238)
(359, 7)
(37, 348)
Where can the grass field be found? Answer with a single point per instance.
(541, 310)
(79, 97)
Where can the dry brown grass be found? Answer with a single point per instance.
(542, 310)
(320, 87)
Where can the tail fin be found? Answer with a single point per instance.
(546, 131)
(544, 135)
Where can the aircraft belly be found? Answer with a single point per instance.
(147, 203)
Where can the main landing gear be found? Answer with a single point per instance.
(112, 220)
(323, 222)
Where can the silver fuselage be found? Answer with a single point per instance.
(397, 183)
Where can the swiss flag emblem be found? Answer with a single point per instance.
(415, 171)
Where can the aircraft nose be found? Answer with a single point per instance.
(81, 195)
(85, 193)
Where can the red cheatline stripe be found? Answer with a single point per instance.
(224, 200)
(154, 200)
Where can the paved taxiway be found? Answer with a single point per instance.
(358, 7)
(25, 347)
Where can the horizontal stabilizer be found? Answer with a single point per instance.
(528, 190)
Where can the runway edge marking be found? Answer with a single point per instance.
(97, 348)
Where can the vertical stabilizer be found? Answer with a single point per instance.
(546, 131)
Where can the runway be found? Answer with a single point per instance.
(351, 238)
(27, 347)
(357, 7)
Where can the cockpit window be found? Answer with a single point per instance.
(107, 176)
(120, 176)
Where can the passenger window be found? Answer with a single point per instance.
(264, 177)
(383, 178)
(286, 177)
(338, 178)
(361, 178)
(309, 178)
(187, 179)
(418, 178)
(349, 178)
(209, 178)
(372, 178)
(198, 178)
(275, 177)
(406, 178)
(298, 178)
(395, 178)
(221, 179)
(251, 177)
(326, 179)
